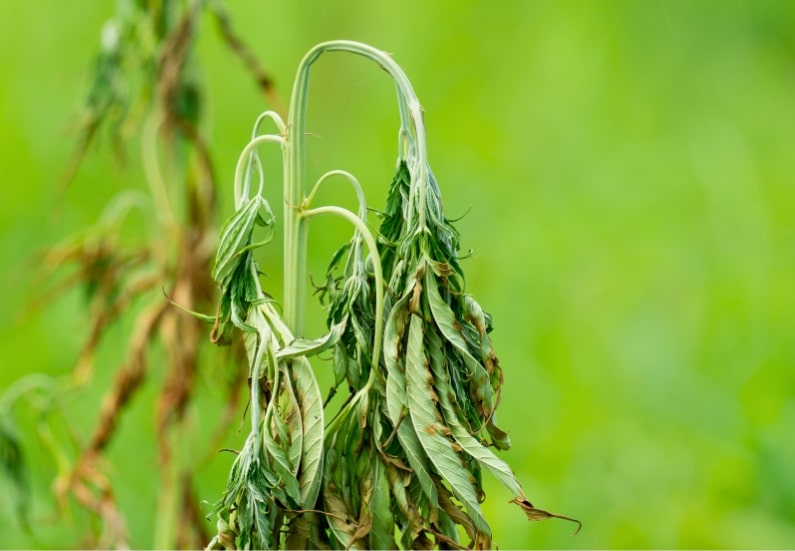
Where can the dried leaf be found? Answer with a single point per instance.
(539, 514)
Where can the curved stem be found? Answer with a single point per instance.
(295, 157)
(353, 181)
(240, 192)
(415, 111)
(379, 275)
(272, 115)
(406, 142)
(253, 159)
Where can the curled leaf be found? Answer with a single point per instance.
(307, 348)
(539, 514)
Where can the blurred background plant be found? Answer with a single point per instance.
(633, 229)
(143, 87)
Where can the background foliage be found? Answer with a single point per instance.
(630, 172)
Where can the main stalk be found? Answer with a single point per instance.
(295, 232)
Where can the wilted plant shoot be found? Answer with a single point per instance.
(400, 463)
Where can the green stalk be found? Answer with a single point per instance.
(379, 276)
(357, 187)
(241, 186)
(295, 234)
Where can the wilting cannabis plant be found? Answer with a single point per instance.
(400, 463)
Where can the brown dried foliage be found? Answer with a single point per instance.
(124, 282)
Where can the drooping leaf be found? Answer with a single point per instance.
(425, 419)
(450, 328)
(250, 498)
(410, 521)
(455, 513)
(417, 459)
(236, 237)
(383, 526)
(539, 514)
(366, 488)
(311, 403)
(394, 220)
(295, 425)
(280, 462)
(396, 400)
(340, 520)
(308, 348)
(470, 444)
(394, 330)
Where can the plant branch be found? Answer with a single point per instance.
(379, 276)
(295, 164)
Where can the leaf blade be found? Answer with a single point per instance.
(423, 416)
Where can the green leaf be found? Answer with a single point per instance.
(416, 456)
(399, 482)
(307, 347)
(236, 237)
(311, 405)
(396, 395)
(295, 425)
(393, 336)
(445, 319)
(470, 444)
(424, 417)
(382, 534)
(280, 465)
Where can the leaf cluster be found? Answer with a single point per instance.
(405, 459)
(276, 474)
(402, 459)
(400, 463)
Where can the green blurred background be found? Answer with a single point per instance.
(630, 169)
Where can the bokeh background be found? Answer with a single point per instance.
(627, 175)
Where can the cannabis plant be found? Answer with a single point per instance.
(400, 463)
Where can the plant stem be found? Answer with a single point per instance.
(357, 187)
(295, 237)
(241, 187)
(379, 276)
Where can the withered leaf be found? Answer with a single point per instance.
(535, 514)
